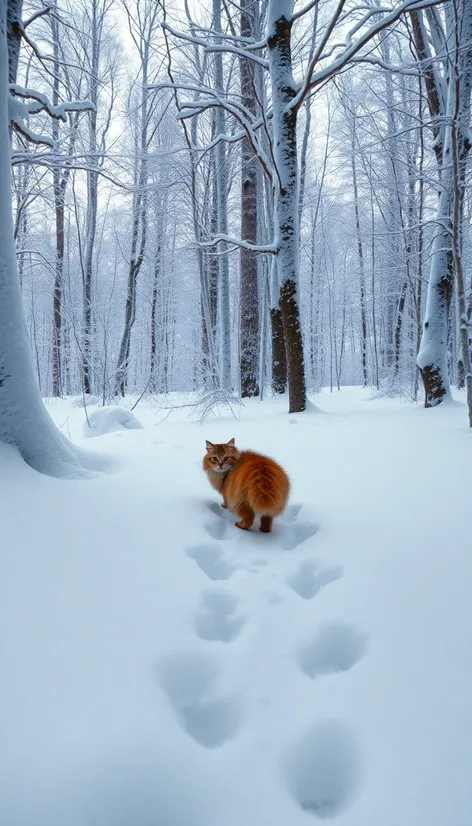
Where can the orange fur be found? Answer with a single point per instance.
(251, 485)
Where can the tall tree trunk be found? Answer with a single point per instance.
(24, 420)
(249, 293)
(460, 145)
(441, 96)
(157, 292)
(286, 214)
(92, 207)
(224, 316)
(59, 211)
(360, 255)
(279, 356)
(138, 232)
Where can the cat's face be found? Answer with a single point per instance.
(221, 458)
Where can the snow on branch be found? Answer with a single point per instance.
(240, 52)
(40, 13)
(250, 125)
(354, 42)
(245, 51)
(41, 103)
(264, 249)
(23, 103)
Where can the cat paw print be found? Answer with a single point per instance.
(218, 617)
(309, 578)
(212, 561)
(190, 682)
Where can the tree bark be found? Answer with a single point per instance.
(138, 232)
(224, 315)
(432, 355)
(286, 214)
(92, 205)
(249, 293)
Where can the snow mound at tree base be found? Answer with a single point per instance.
(109, 420)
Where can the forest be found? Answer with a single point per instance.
(240, 201)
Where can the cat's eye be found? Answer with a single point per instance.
(226, 459)
(214, 459)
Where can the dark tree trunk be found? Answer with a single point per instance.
(92, 209)
(399, 325)
(249, 295)
(279, 357)
(59, 196)
(14, 36)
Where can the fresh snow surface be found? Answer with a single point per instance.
(159, 667)
(85, 400)
(109, 420)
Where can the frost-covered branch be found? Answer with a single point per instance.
(263, 249)
(41, 103)
(19, 112)
(352, 44)
(40, 13)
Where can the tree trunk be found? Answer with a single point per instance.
(24, 420)
(138, 233)
(279, 359)
(360, 254)
(92, 207)
(157, 291)
(432, 356)
(59, 210)
(286, 214)
(224, 315)
(249, 293)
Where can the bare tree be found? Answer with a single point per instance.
(440, 50)
(143, 24)
(249, 293)
(24, 421)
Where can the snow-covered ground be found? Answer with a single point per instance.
(160, 667)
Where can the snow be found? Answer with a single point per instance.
(109, 420)
(84, 400)
(162, 668)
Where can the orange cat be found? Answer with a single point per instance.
(250, 484)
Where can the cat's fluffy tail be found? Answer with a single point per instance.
(267, 490)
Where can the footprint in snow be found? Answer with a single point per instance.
(189, 681)
(296, 534)
(337, 647)
(323, 769)
(218, 618)
(218, 510)
(212, 561)
(309, 578)
(217, 529)
(291, 513)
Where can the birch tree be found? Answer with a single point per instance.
(443, 44)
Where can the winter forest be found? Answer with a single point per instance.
(235, 226)
(247, 199)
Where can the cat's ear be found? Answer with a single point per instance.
(209, 445)
(230, 443)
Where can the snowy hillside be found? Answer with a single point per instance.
(161, 668)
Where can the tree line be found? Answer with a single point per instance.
(271, 197)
